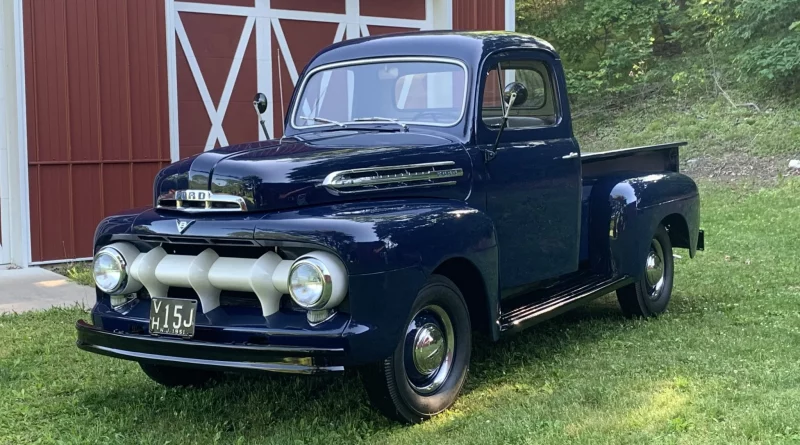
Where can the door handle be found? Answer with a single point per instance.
(572, 155)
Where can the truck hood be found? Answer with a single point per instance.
(282, 174)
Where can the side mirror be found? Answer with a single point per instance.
(515, 94)
(260, 102)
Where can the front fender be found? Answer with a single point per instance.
(390, 249)
(373, 237)
(626, 212)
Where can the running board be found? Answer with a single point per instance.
(529, 314)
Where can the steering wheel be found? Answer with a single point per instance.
(433, 114)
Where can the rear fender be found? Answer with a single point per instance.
(625, 213)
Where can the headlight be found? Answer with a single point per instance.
(109, 270)
(310, 283)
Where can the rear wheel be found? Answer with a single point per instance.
(651, 294)
(427, 370)
(172, 376)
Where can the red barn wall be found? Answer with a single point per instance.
(97, 126)
(479, 15)
(97, 97)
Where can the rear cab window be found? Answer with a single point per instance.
(541, 108)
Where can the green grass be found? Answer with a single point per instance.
(710, 124)
(722, 366)
(80, 273)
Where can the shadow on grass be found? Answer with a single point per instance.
(260, 404)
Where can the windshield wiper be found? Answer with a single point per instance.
(321, 119)
(382, 119)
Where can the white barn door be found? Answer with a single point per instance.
(221, 52)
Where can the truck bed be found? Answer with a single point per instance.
(647, 159)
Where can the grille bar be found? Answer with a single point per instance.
(199, 201)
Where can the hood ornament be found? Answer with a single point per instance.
(183, 224)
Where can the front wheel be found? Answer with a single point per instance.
(427, 370)
(651, 294)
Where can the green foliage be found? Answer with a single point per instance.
(616, 46)
(764, 31)
(81, 273)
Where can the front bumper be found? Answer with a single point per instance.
(201, 354)
(240, 338)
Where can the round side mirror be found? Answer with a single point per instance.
(260, 101)
(516, 90)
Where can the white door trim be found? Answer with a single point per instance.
(21, 252)
(172, 81)
(13, 147)
(511, 15)
(5, 145)
(265, 20)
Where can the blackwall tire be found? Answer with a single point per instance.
(408, 386)
(650, 295)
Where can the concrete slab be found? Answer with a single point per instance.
(36, 289)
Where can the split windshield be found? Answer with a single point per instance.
(389, 91)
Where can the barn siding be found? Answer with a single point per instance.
(478, 15)
(97, 101)
(97, 118)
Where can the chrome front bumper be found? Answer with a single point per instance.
(199, 354)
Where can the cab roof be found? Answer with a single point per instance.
(469, 46)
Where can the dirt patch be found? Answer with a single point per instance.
(740, 167)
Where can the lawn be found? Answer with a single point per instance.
(722, 366)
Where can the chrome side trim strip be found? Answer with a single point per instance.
(397, 177)
(205, 198)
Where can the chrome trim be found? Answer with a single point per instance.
(327, 283)
(311, 73)
(654, 270)
(183, 224)
(438, 376)
(339, 182)
(429, 349)
(117, 256)
(204, 196)
(317, 317)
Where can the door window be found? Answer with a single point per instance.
(539, 110)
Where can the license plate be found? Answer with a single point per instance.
(170, 316)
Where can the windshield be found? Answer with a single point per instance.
(387, 91)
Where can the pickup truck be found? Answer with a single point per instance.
(428, 186)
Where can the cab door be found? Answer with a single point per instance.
(533, 182)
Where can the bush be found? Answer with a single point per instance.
(614, 46)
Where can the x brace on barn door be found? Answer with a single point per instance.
(264, 20)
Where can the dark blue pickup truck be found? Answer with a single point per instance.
(428, 186)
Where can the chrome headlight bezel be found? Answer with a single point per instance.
(327, 283)
(121, 263)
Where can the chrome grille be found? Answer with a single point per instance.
(196, 201)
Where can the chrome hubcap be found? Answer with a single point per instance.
(654, 269)
(429, 349)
